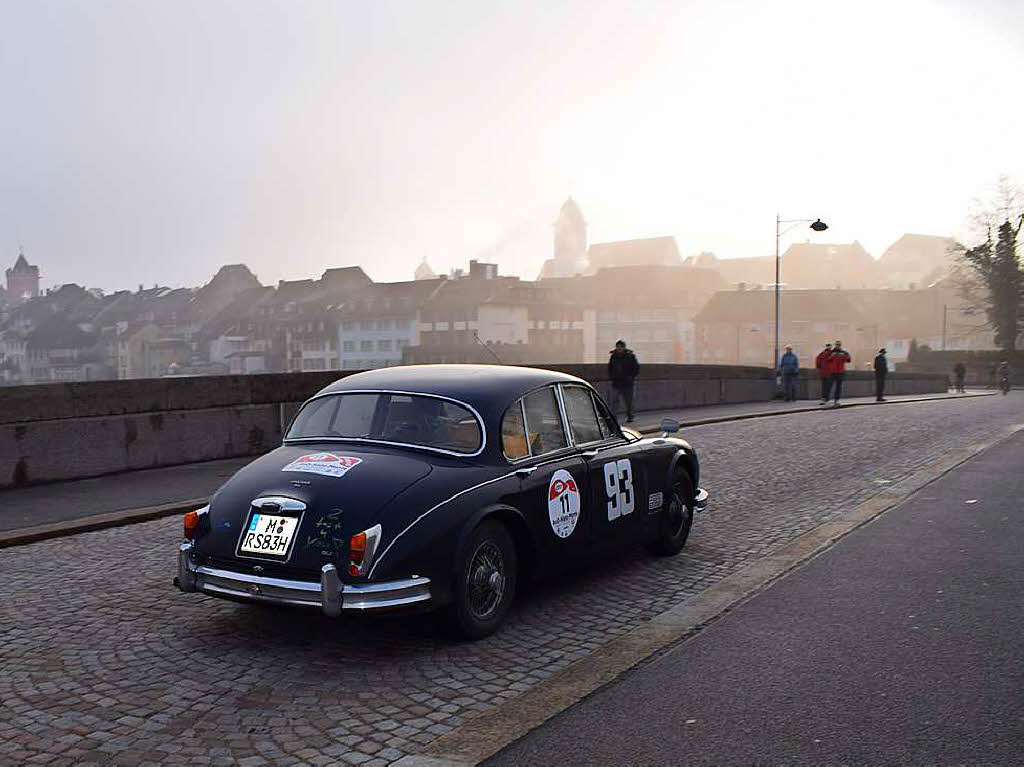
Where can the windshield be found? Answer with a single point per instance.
(409, 419)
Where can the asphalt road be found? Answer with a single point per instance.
(901, 645)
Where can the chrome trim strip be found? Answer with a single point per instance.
(186, 573)
(432, 509)
(329, 594)
(470, 408)
(700, 501)
(330, 591)
(284, 504)
(570, 439)
(259, 580)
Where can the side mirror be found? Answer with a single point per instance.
(668, 426)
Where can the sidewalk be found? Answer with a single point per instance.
(648, 421)
(895, 646)
(65, 508)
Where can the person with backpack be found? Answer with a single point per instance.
(821, 363)
(838, 361)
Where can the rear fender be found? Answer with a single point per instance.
(515, 523)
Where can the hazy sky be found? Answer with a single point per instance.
(150, 142)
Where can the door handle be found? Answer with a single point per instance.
(525, 471)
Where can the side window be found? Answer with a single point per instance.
(513, 433)
(579, 409)
(544, 421)
(606, 422)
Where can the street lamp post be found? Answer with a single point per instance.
(818, 226)
(946, 309)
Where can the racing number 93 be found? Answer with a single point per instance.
(618, 482)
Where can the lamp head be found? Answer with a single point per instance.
(819, 225)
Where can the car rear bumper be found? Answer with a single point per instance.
(329, 593)
(700, 501)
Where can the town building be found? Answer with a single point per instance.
(737, 327)
(22, 279)
(917, 261)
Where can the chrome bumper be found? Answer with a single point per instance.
(700, 501)
(330, 594)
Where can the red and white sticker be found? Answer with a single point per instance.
(563, 503)
(328, 464)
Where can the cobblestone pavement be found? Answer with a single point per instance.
(103, 662)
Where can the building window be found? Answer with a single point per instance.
(384, 346)
(366, 346)
(349, 346)
(348, 325)
(366, 325)
(383, 324)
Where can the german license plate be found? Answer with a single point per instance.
(268, 535)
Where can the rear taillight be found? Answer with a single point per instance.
(193, 523)
(361, 548)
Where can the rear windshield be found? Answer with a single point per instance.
(409, 419)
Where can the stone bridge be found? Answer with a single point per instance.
(52, 432)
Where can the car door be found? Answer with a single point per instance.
(552, 476)
(616, 472)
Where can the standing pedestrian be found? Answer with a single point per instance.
(623, 369)
(960, 371)
(790, 367)
(838, 361)
(821, 363)
(881, 371)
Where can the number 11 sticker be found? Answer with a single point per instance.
(563, 503)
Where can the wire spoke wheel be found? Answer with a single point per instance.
(485, 580)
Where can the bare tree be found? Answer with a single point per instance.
(990, 273)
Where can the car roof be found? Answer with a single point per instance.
(493, 385)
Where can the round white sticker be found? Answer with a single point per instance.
(563, 503)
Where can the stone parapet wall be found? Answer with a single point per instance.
(52, 432)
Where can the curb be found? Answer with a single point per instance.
(807, 409)
(25, 535)
(481, 737)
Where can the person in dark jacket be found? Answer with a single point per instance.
(623, 369)
(881, 371)
(960, 370)
(821, 362)
(790, 367)
(838, 361)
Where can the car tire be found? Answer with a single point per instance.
(676, 519)
(485, 582)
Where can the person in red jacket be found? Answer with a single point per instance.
(838, 361)
(822, 364)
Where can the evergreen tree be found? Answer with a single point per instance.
(999, 268)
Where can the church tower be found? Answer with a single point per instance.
(570, 240)
(22, 279)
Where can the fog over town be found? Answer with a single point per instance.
(227, 187)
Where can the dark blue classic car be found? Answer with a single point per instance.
(438, 486)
